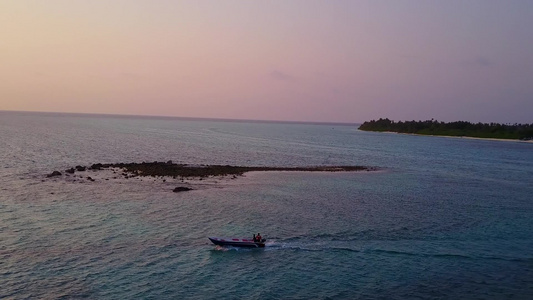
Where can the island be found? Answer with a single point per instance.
(522, 132)
(171, 169)
(174, 170)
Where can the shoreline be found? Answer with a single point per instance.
(457, 137)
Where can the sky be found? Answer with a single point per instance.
(287, 60)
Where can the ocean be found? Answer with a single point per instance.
(442, 218)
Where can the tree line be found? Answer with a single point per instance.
(458, 128)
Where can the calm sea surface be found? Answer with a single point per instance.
(445, 218)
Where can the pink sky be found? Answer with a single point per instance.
(329, 61)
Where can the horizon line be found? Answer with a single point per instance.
(187, 118)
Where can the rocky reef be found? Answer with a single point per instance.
(174, 170)
(183, 171)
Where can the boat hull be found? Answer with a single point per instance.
(236, 242)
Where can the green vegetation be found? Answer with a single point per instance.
(459, 128)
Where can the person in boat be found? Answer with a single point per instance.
(259, 238)
(255, 239)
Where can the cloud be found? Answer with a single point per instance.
(478, 62)
(130, 76)
(482, 61)
(281, 76)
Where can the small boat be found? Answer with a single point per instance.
(236, 242)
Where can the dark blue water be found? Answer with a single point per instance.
(445, 218)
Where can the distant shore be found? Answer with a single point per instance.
(460, 137)
(459, 129)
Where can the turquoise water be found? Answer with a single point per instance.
(445, 218)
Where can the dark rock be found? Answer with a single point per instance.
(70, 171)
(55, 173)
(96, 166)
(81, 168)
(181, 189)
(90, 178)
